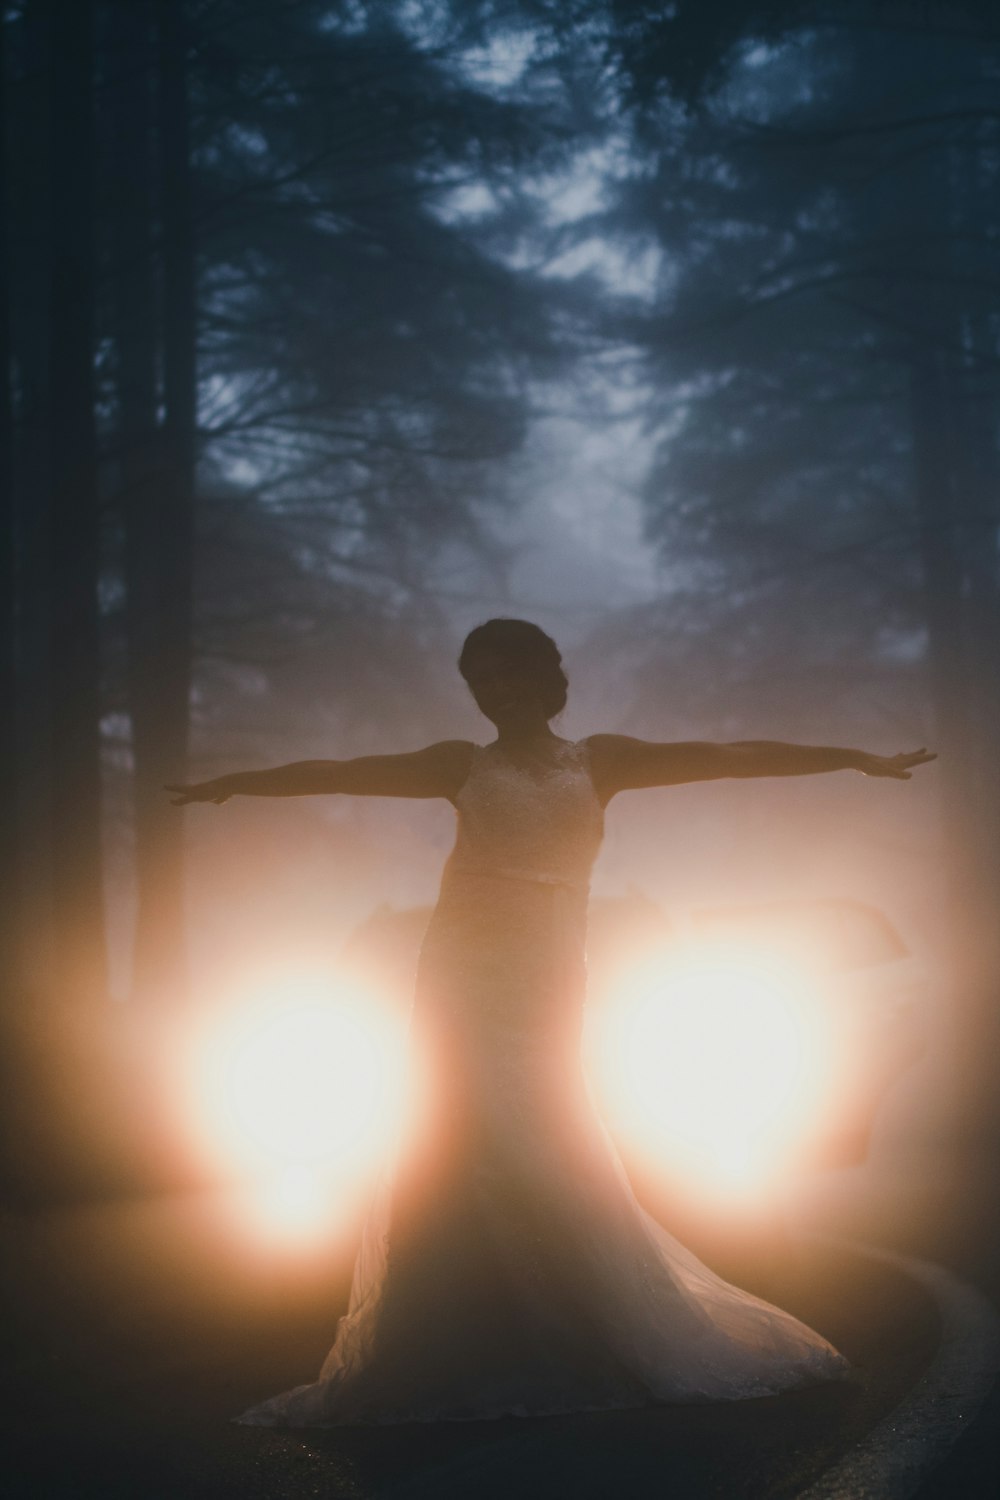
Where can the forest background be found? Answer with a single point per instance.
(330, 329)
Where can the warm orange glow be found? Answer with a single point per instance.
(714, 1060)
(297, 1087)
(294, 1204)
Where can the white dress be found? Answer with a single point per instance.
(506, 1266)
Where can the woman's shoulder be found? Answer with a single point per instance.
(600, 749)
(605, 754)
(608, 748)
(447, 763)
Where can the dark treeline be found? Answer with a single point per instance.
(255, 369)
(825, 395)
(276, 316)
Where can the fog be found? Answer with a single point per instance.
(335, 331)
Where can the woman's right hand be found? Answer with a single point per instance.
(219, 790)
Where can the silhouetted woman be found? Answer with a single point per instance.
(506, 1266)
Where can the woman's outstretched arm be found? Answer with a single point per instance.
(621, 763)
(436, 771)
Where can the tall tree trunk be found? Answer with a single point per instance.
(146, 503)
(952, 677)
(161, 553)
(30, 251)
(979, 1065)
(978, 471)
(945, 412)
(976, 466)
(78, 907)
(8, 616)
(941, 578)
(978, 460)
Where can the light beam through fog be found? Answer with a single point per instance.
(295, 1087)
(715, 1062)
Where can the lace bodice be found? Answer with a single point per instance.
(524, 821)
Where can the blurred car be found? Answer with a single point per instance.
(871, 988)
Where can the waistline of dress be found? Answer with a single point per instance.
(534, 877)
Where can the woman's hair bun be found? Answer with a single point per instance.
(530, 648)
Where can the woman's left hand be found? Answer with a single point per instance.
(898, 766)
(218, 790)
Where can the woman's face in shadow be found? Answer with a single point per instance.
(504, 690)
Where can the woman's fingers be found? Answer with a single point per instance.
(919, 757)
(199, 791)
(899, 764)
(187, 793)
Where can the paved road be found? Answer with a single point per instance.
(137, 1330)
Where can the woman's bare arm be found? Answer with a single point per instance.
(436, 771)
(620, 763)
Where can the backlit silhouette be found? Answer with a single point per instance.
(506, 1266)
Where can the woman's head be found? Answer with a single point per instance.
(512, 663)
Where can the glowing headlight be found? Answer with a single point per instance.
(714, 1060)
(298, 1086)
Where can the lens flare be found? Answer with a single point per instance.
(297, 1087)
(713, 1061)
(293, 1203)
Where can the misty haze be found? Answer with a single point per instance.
(331, 332)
